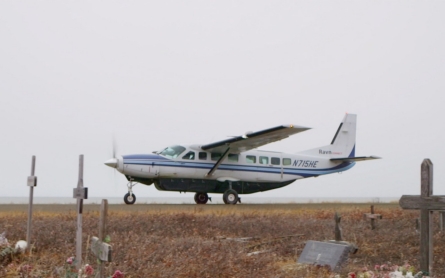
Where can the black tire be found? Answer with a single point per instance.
(129, 200)
(201, 198)
(230, 197)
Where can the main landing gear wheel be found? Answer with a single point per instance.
(230, 197)
(201, 198)
(129, 199)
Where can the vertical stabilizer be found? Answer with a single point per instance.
(343, 143)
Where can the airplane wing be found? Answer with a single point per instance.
(354, 159)
(254, 140)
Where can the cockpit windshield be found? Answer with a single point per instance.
(172, 151)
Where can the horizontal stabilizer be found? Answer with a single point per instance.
(355, 159)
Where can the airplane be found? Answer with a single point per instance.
(235, 166)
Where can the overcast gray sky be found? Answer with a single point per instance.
(156, 73)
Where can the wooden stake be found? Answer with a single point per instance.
(101, 249)
(102, 230)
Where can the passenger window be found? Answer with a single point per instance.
(190, 155)
(233, 157)
(287, 161)
(250, 159)
(203, 155)
(275, 160)
(264, 160)
(215, 156)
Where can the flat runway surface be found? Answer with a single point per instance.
(189, 207)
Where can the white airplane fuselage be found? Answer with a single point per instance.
(236, 166)
(154, 166)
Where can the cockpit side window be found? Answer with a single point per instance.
(173, 151)
(190, 155)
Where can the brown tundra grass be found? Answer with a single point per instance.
(195, 241)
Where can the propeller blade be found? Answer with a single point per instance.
(114, 147)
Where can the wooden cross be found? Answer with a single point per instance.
(79, 193)
(372, 216)
(99, 248)
(426, 203)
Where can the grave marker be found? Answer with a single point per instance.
(324, 254)
(100, 249)
(338, 235)
(79, 193)
(426, 203)
(372, 216)
(32, 182)
(333, 253)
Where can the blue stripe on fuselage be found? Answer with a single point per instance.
(165, 162)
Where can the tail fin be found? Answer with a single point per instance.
(343, 143)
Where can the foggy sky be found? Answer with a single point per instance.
(73, 74)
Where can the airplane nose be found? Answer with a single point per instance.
(112, 162)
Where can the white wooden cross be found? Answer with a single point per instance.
(426, 203)
(79, 193)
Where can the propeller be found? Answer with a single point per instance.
(113, 162)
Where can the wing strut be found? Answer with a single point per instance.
(218, 162)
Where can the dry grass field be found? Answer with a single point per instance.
(197, 240)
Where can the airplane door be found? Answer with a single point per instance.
(275, 163)
(272, 164)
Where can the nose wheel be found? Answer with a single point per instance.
(130, 198)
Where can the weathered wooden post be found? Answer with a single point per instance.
(442, 220)
(99, 248)
(426, 202)
(372, 216)
(338, 235)
(79, 193)
(426, 219)
(32, 182)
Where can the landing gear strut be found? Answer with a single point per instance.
(130, 198)
(201, 198)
